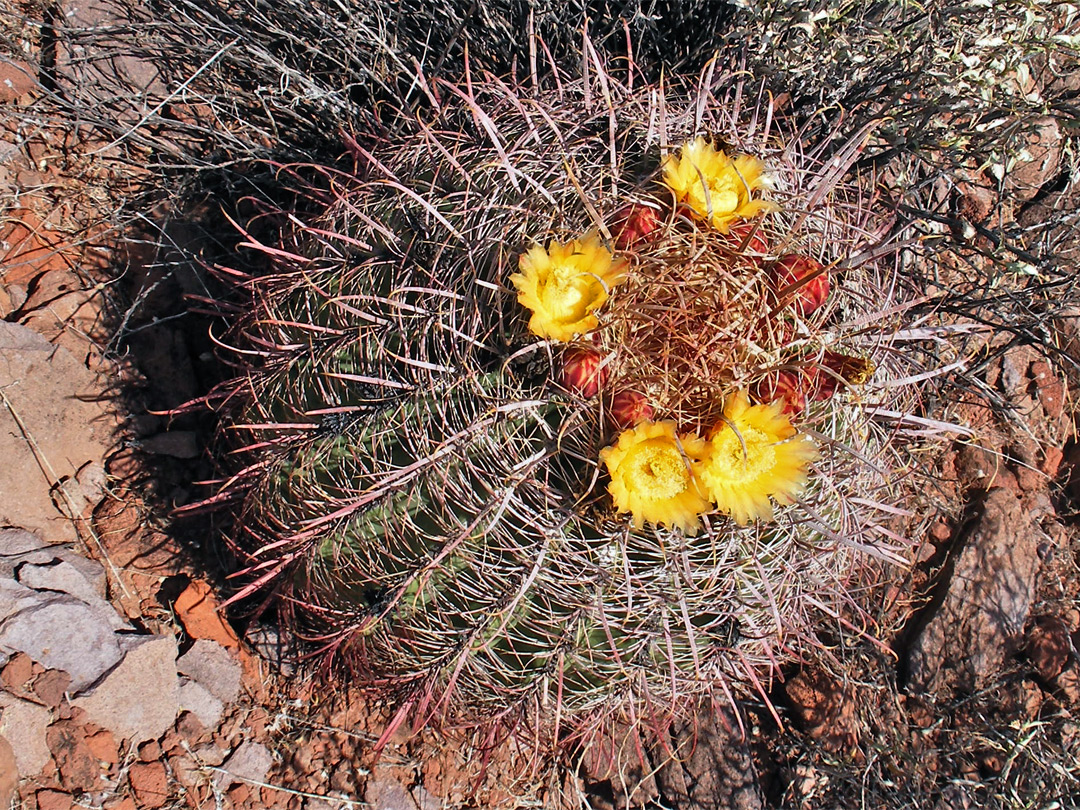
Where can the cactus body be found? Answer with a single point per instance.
(427, 493)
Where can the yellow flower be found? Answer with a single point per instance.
(565, 284)
(754, 454)
(652, 475)
(718, 188)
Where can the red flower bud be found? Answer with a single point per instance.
(582, 373)
(754, 245)
(627, 408)
(793, 269)
(788, 386)
(836, 369)
(633, 224)
(822, 385)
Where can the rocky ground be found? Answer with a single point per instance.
(125, 685)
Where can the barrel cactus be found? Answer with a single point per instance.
(569, 407)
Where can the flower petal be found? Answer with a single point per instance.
(753, 455)
(652, 476)
(563, 285)
(717, 188)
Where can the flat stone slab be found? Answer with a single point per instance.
(61, 632)
(15, 597)
(214, 668)
(91, 571)
(139, 699)
(18, 541)
(196, 699)
(23, 724)
(47, 424)
(384, 793)
(250, 763)
(60, 569)
(9, 773)
(65, 576)
(980, 620)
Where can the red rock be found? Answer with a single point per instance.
(824, 708)
(1048, 646)
(256, 722)
(633, 225)
(582, 372)
(26, 251)
(390, 793)
(9, 773)
(199, 612)
(627, 408)
(1071, 617)
(216, 672)
(273, 798)
(186, 770)
(124, 464)
(53, 800)
(191, 729)
(150, 784)
(125, 803)
(238, 794)
(926, 551)
(1052, 458)
(250, 762)
(210, 754)
(978, 467)
(137, 700)
(1031, 699)
(171, 742)
(794, 269)
(1044, 150)
(977, 624)
(149, 751)
(976, 202)
(1027, 479)
(51, 686)
(1068, 684)
(104, 747)
(18, 671)
(201, 797)
(58, 297)
(23, 723)
(940, 532)
(51, 385)
(1049, 388)
(79, 768)
(16, 80)
(130, 544)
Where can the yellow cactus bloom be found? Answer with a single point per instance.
(652, 476)
(564, 285)
(718, 188)
(752, 455)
